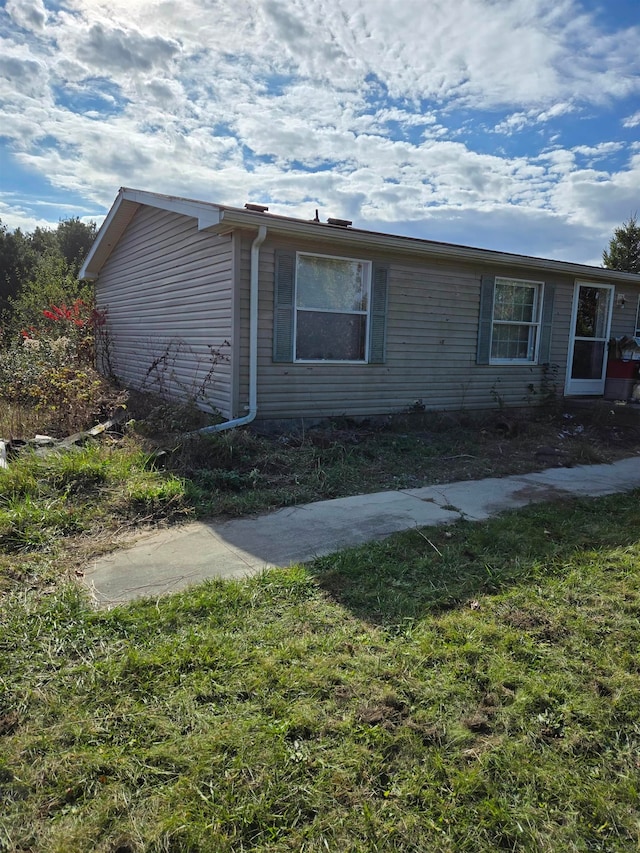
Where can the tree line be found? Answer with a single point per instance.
(40, 268)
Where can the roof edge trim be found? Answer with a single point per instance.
(225, 219)
(207, 214)
(86, 272)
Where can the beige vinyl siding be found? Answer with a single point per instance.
(167, 288)
(432, 327)
(552, 378)
(623, 321)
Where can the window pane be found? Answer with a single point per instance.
(513, 341)
(593, 312)
(334, 284)
(588, 359)
(515, 302)
(337, 337)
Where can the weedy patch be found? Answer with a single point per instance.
(45, 500)
(239, 472)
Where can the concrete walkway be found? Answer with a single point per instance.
(168, 560)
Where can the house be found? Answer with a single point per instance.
(259, 315)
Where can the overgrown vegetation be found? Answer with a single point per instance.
(479, 695)
(239, 472)
(49, 369)
(44, 264)
(47, 332)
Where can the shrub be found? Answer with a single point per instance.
(52, 281)
(50, 368)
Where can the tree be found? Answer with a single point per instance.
(52, 282)
(624, 248)
(17, 262)
(25, 259)
(74, 239)
(71, 239)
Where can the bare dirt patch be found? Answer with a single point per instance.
(433, 447)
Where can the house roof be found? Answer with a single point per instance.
(223, 219)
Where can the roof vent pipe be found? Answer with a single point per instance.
(253, 344)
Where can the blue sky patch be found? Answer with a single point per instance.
(97, 95)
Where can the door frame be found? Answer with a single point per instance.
(588, 387)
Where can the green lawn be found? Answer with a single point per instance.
(476, 690)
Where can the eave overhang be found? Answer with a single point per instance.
(223, 220)
(125, 207)
(232, 218)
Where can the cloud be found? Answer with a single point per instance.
(14, 215)
(20, 74)
(526, 53)
(288, 26)
(164, 92)
(599, 152)
(28, 14)
(384, 112)
(125, 50)
(19, 71)
(520, 120)
(595, 197)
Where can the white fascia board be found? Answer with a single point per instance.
(208, 215)
(85, 273)
(380, 242)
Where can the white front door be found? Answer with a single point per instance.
(590, 327)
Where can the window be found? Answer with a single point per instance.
(637, 332)
(331, 308)
(516, 320)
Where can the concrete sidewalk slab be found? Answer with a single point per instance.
(591, 480)
(172, 559)
(477, 499)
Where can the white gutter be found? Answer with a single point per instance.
(253, 344)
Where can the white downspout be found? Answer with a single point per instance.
(253, 343)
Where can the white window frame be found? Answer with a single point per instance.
(534, 326)
(637, 328)
(366, 273)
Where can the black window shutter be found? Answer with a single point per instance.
(546, 322)
(378, 318)
(487, 286)
(283, 305)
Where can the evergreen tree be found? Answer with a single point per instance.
(624, 248)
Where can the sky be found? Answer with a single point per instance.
(511, 125)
